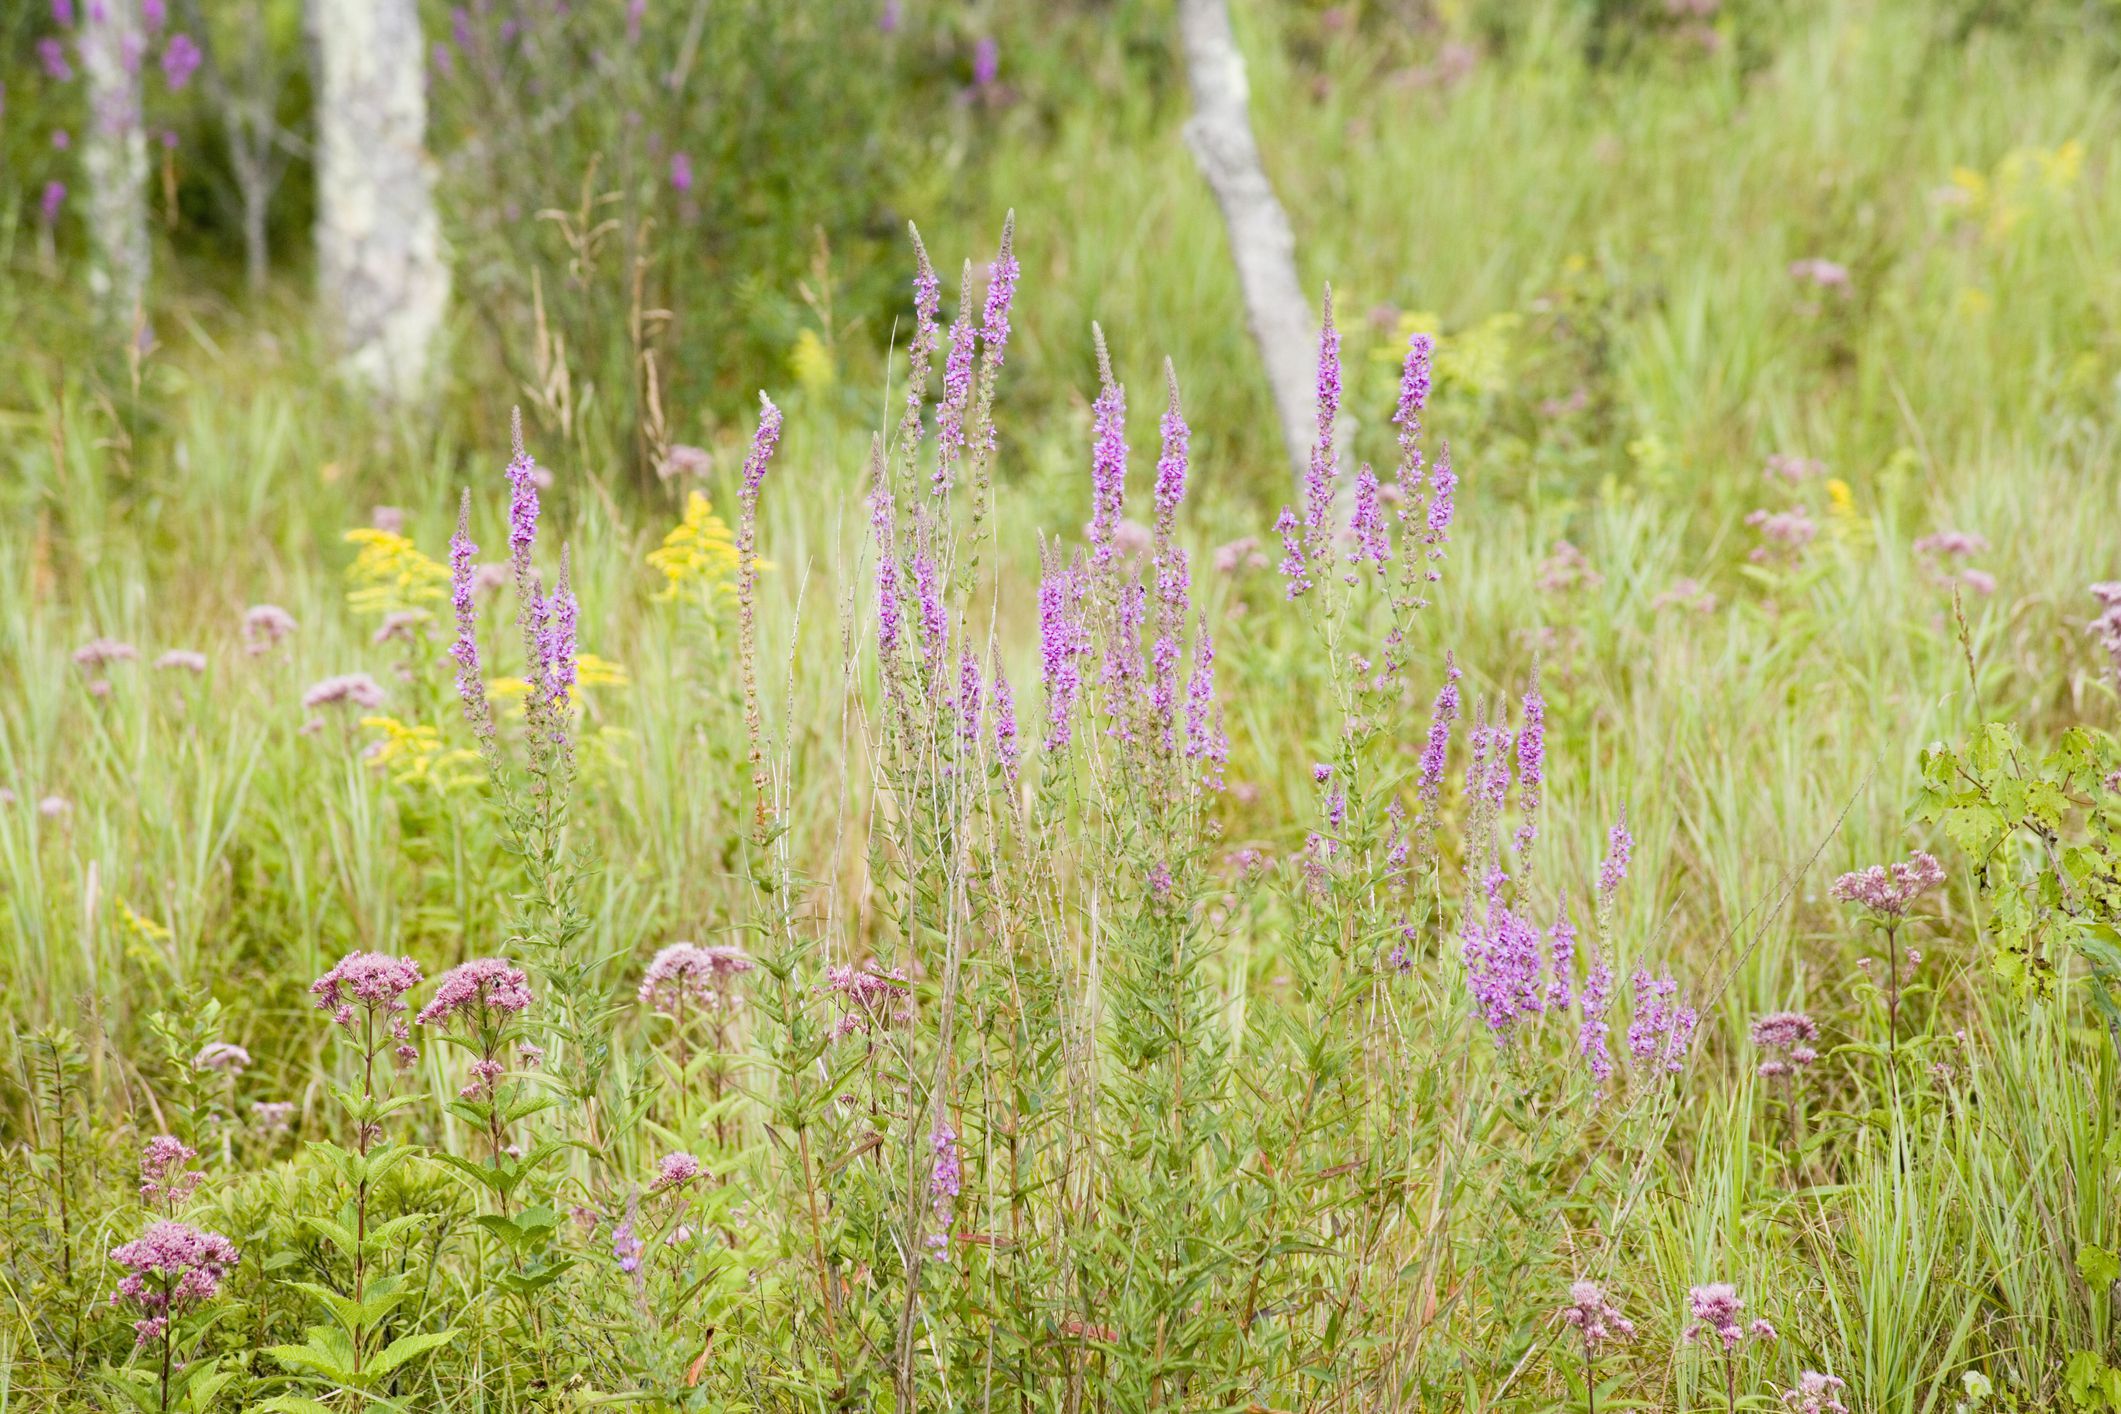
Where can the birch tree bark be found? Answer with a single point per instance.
(114, 159)
(379, 243)
(1261, 243)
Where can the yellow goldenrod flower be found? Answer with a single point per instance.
(592, 671)
(811, 362)
(140, 925)
(1477, 360)
(390, 575)
(698, 558)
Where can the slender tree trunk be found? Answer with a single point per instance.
(114, 157)
(379, 243)
(1261, 242)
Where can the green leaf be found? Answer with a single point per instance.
(407, 1347)
(2101, 1268)
(337, 1234)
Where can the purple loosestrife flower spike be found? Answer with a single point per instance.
(1413, 398)
(1443, 485)
(1108, 458)
(1006, 748)
(522, 501)
(1591, 1034)
(1295, 569)
(763, 443)
(1531, 763)
(1373, 545)
(471, 686)
(1001, 291)
(1435, 752)
(968, 697)
(1174, 582)
(957, 388)
(1614, 869)
(1325, 465)
(1062, 643)
(1561, 957)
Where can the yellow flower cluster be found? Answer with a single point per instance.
(811, 362)
(1475, 360)
(589, 671)
(390, 575)
(413, 755)
(698, 558)
(2025, 177)
(146, 929)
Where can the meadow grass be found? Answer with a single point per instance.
(1622, 346)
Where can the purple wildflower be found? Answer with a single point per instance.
(1815, 1393)
(1718, 1311)
(1594, 1318)
(685, 973)
(986, 62)
(1614, 868)
(471, 989)
(957, 398)
(1561, 957)
(968, 697)
(1888, 889)
(49, 203)
(1108, 460)
(1591, 1035)
(1006, 749)
(471, 687)
(1435, 753)
(1001, 291)
(1324, 466)
(945, 1179)
(626, 1247)
(1295, 568)
(674, 1171)
(1531, 762)
(169, 1268)
(680, 173)
(265, 625)
(166, 1175)
(222, 1057)
(52, 54)
(1372, 545)
(357, 688)
(180, 60)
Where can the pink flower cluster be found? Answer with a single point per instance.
(1937, 553)
(869, 996)
(166, 1175)
(357, 688)
(264, 625)
(375, 983)
(688, 973)
(1888, 889)
(675, 1170)
(1815, 1393)
(170, 1267)
(222, 1057)
(2107, 627)
(1718, 1311)
(485, 984)
(1594, 1318)
(1783, 534)
(1788, 1036)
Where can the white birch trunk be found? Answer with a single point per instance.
(114, 159)
(383, 279)
(1261, 242)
